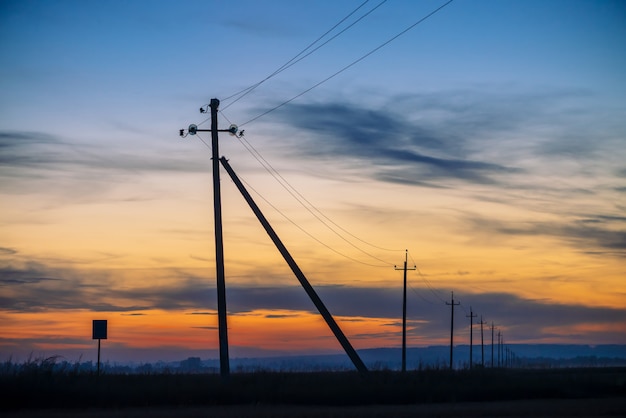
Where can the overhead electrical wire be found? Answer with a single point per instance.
(308, 233)
(304, 230)
(428, 284)
(285, 65)
(430, 288)
(297, 58)
(300, 198)
(424, 298)
(349, 65)
(279, 178)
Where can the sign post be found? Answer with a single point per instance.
(99, 332)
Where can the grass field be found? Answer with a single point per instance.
(41, 391)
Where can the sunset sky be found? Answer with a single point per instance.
(489, 140)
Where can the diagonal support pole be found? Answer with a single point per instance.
(343, 340)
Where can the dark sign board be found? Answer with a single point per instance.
(99, 329)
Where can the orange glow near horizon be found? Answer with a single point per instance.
(294, 332)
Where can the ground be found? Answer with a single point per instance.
(598, 407)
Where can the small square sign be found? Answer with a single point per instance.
(99, 329)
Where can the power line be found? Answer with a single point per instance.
(430, 287)
(464, 308)
(300, 198)
(349, 65)
(308, 233)
(295, 59)
(301, 228)
(420, 295)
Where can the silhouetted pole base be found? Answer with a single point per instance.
(98, 373)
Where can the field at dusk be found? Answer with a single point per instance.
(35, 389)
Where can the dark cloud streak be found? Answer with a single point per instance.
(473, 136)
(588, 232)
(429, 317)
(400, 150)
(39, 156)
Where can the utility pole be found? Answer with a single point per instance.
(492, 327)
(507, 357)
(219, 245)
(219, 241)
(406, 255)
(482, 342)
(471, 316)
(452, 304)
(500, 357)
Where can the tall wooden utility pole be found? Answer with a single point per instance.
(219, 245)
(471, 316)
(219, 242)
(482, 343)
(499, 345)
(506, 356)
(406, 255)
(492, 328)
(452, 305)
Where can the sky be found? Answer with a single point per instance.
(488, 140)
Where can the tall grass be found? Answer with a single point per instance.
(49, 383)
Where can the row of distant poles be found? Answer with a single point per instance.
(471, 316)
(219, 250)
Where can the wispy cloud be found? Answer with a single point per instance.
(399, 149)
(32, 160)
(472, 136)
(588, 232)
(7, 251)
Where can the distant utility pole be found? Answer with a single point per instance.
(452, 304)
(492, 327)
(482, 342)
(506, 356)
(499, 347)
(471, 316)
(406, 255)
